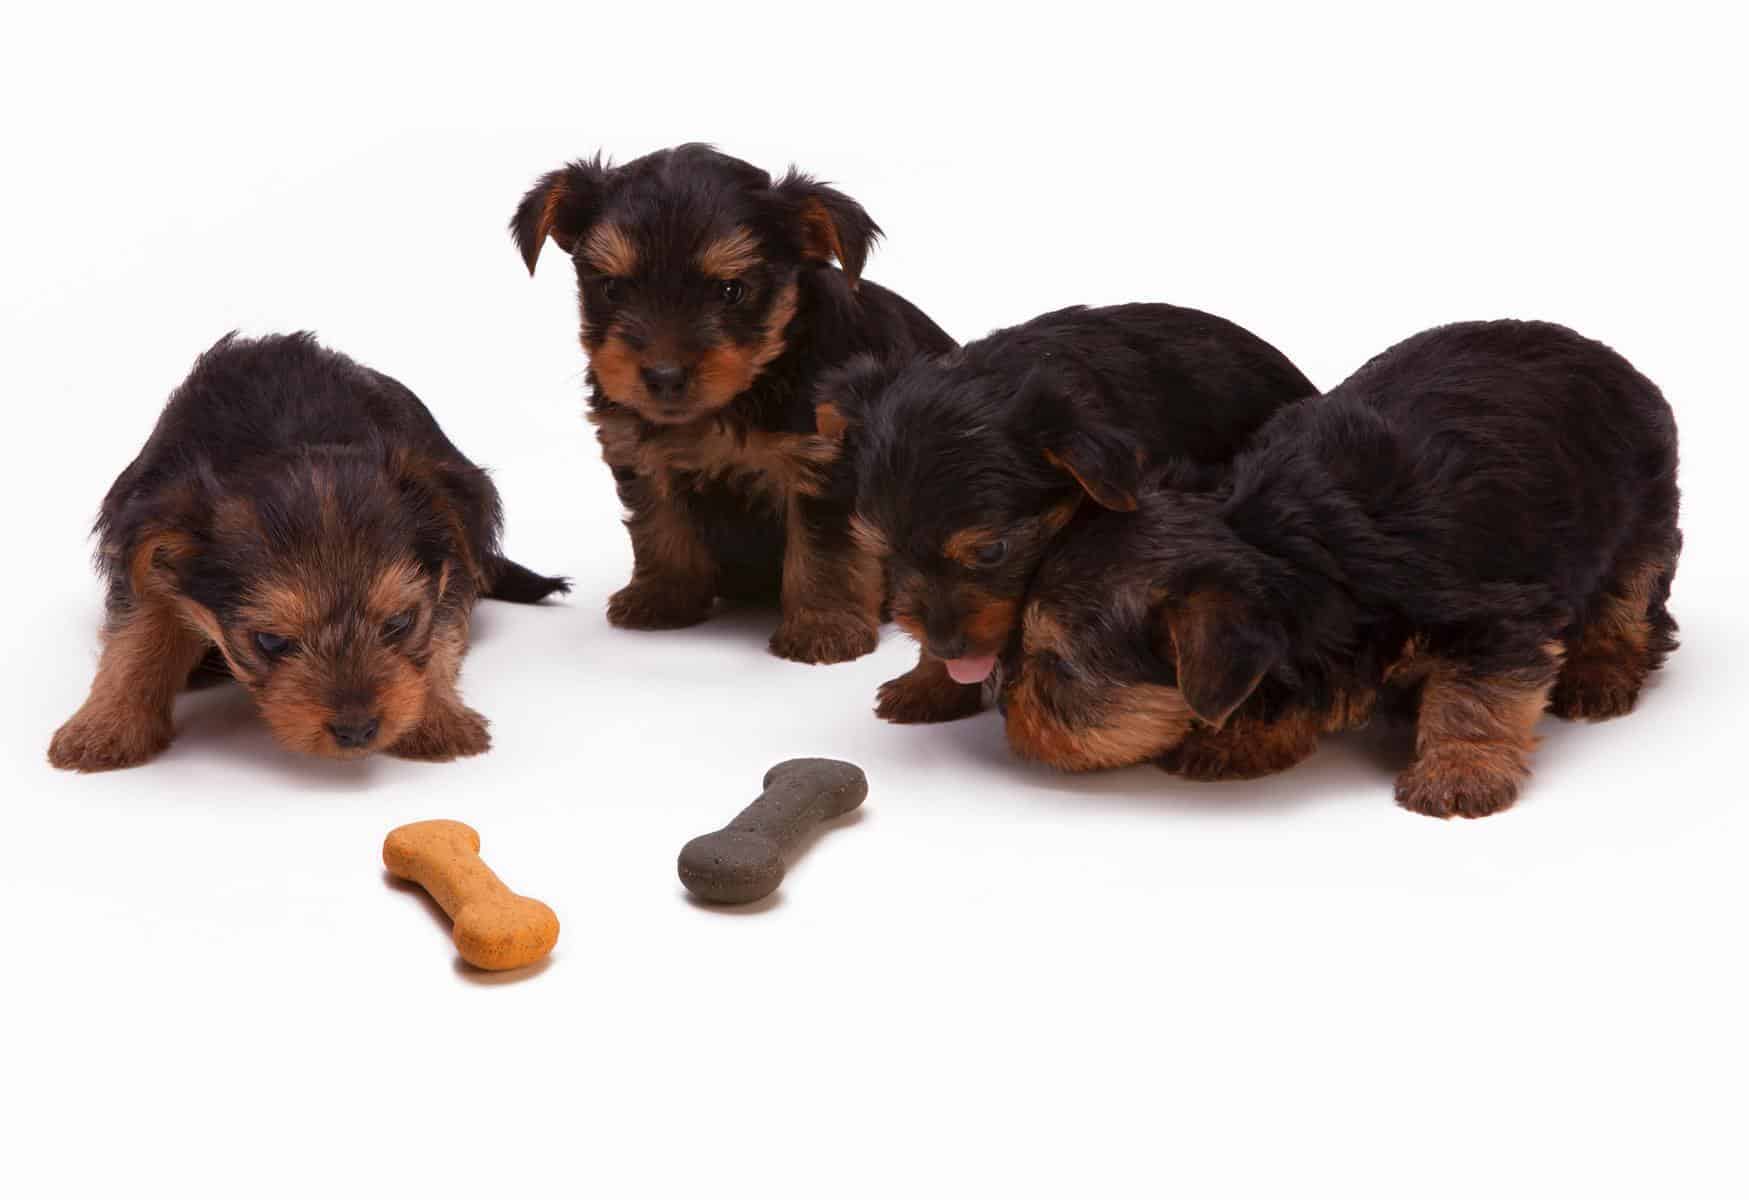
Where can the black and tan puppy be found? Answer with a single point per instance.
(1481, 521)
(970, 463)
(710, 306)
(300, 522)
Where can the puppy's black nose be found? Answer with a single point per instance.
(666, 382)
(350, 733)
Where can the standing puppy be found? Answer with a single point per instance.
(300, 522)
(710, 307)
(969, 464)
(1482, 518)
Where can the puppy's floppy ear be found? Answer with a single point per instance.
(1222, 649)
(1077, 439)
(845, 394)
(562, 206)
(457, 510)
(830, 224)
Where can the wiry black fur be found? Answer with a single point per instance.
(1478, 491)
(262, 418)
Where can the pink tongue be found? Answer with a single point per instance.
(971, 670)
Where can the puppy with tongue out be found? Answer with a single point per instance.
(969, 464)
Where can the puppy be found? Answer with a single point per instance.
(1481, 521)
(970, 463)
(710, 307)
(299, 522)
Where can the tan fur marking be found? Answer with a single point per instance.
(773, 465)
(1611, 657)
(989, 622)
(609, 250)
(148, 653)
(829, 421)
(395, 588)
(1474, 738)
(1040, 631)
(282, 606)
(820, 234)
(155, 550)
(1142, 722)
(549, 215)
(615, 368)
(831, 601)
(1058, 516)
(872, 540)
(731, 255)
(447, 729)
(1107, 497)
(963, 545)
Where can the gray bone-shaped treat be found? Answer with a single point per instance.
(743, 861)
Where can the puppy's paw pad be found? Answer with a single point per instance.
(98, 744)
(1436, 790)
(910, 700)
(461, 733)
(655, 606)
(823, 639)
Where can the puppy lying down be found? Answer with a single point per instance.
(1483, 518)
(298, 522)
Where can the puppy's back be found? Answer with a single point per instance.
(1499, 451)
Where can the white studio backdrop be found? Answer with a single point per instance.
(996, 980)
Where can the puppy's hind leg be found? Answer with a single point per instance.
(1625, 640)
(1474, 736)
(148, 655)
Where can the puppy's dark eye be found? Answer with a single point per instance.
(398, 624)
(731, 291)
(612, 289)
(273, 645)
(992, 554)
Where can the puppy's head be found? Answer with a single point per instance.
(335, 584)
(963, 480)
(687, 263)
(1137, 628)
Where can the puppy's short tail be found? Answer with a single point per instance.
(519, 585)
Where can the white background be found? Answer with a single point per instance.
(997, 981)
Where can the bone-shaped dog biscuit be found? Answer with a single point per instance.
(744, 860)
(495, 929)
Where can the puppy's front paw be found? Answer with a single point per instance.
(653, 604)
(822, 638)
(106, 740)
(922, 696)
(444, 735)
(1440, 785)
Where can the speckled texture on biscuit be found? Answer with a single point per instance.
(744, 861)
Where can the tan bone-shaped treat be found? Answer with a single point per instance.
(495, 929)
